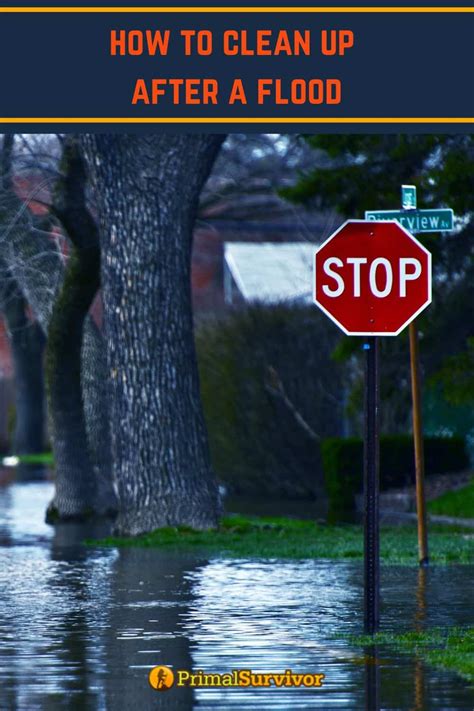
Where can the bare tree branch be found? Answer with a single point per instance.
(274, 386)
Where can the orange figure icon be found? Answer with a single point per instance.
(161, 678)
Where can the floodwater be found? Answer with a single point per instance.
(81, 627)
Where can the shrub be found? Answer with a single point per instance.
(257, 445)
(343, 465)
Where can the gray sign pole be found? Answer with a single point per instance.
(371, 488)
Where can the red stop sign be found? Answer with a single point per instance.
(372, 278)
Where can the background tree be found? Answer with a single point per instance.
(241, 198)
(35, 257)
(85, 490)
(27, 348)
(147, 190)
(249, 171)
(26, 339)
(365, 172)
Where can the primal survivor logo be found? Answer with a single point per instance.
(163, 678)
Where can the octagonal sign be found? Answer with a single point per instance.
(372, 277)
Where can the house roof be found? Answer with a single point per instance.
(271, 272)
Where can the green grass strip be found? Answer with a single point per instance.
(449, 648)
(46, 458)
(240, 536)
(455, 503)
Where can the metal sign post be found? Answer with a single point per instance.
(371, 488)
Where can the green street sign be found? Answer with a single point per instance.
(408, 197)
(417, 220)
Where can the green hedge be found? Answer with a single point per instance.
(343, 465)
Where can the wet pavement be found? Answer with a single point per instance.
(80, 627)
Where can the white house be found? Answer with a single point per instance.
(268, 272)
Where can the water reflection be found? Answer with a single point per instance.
(272, 616)
(81, 627)
(372, 678)
(150, 598)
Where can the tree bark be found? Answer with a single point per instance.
(37, 266)
(77, 494)
(27, 347)
(147, 189)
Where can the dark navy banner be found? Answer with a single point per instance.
(333, 69)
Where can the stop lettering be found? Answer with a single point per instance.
(372, 278)
(380, 279)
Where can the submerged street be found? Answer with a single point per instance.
(81, 626)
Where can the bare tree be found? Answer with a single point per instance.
(27, 347)
(37, 263)
(26, 341)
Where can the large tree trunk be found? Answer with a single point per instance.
(147, 189)
(77, 493)
(38, 268)
(27, 347)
